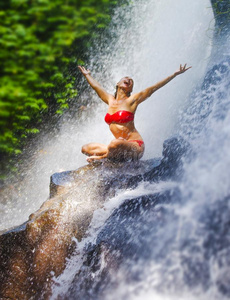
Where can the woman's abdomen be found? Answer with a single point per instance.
(125, 132)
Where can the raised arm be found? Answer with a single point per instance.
(143, 95)
(95, 85)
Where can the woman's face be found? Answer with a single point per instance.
(126, 84)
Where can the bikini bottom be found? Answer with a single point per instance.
(140, 143)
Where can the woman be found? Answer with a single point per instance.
(128, 143)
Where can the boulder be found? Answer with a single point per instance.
(31, 254)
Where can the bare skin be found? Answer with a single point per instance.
(123, 147)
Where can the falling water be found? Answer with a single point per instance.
(154, 38)
(148, 41)
(189, 256)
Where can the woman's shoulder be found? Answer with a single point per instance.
(132, 101)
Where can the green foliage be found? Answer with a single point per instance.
(35, 38)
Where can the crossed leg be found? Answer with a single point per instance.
(118, 149)
(94, 149)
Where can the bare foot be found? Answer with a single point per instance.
(94, 157)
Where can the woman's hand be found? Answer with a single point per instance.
(182, 70)
(84, 71)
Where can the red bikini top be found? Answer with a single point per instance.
(121, 116)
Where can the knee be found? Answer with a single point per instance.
(114, 144)
(85, 149)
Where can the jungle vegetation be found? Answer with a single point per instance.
(40, 41)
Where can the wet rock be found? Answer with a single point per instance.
(32, 253)
(149, 230)
(171, 166)
(221, 11)
(128, 242)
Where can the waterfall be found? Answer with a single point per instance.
(162, 239)
(148, 40)
(153, 39)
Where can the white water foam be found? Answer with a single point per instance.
(100, 216)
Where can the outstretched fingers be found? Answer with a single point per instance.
(183, 68)
(83, 70)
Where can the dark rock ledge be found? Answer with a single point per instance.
(32, 253)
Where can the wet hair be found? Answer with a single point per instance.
(115, 94)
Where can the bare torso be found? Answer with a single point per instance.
(125, 131)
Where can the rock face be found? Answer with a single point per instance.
(32, 253)
(221, 13)
(221, 10)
